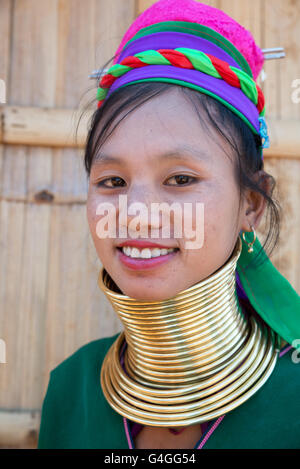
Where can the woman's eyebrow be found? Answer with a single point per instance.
(181, 152)
(184, 152)
(103, 158)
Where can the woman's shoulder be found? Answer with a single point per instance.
(287, 375)
(279, 395)
(278, 399)
(74, 403)
(85, 357)
(270, 418)
(80, 370)
(288, 359)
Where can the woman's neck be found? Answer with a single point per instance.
(189, 358)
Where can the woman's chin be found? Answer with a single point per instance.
(149, 298)
(149, 294)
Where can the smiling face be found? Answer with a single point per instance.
(161, 153)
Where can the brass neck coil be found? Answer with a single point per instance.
(190, 358)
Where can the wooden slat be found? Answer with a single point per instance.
(77, 311)
(6, 330)
(56, 128)
(270, 38)
(31, 83)
(142, 5)
(286, 256)
(54, 47)
(284, 139)
(282, 29)
(19, 429)
(37, 126)
(5, 31)
(25, 256)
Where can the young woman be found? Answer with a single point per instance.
(207, 356)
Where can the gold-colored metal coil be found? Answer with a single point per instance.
(190, 358)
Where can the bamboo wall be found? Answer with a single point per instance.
(49, 299)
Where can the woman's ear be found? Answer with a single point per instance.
(254, 202)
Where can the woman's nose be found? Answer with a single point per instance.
(136, 210)
(142, 192)
(143, 212)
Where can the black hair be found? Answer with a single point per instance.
(245, 145)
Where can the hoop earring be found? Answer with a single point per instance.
(250, 245)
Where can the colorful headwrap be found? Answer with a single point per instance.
(195, 45)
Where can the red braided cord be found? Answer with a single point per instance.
(178, 59)
(260, 99)
(226, 73)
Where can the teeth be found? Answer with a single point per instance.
(145, 253)
(155, 252)
(135, 252)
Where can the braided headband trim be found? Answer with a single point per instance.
(185, 58)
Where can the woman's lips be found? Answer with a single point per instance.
(143, 244)
(143, 264)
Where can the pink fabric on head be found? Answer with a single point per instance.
(196, 12)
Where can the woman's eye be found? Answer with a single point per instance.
(111, 182)
(182, 179)
(178, 180)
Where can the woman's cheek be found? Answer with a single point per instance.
(94, 218)
(220, 225)
(218, 212)
(91, 215)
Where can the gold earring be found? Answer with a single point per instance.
(250, 245)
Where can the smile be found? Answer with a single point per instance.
(145, 253)
(145, 258)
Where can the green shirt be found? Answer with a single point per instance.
(75, 413)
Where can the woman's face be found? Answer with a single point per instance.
(160, 153)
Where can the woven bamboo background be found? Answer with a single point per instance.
(50, 303)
